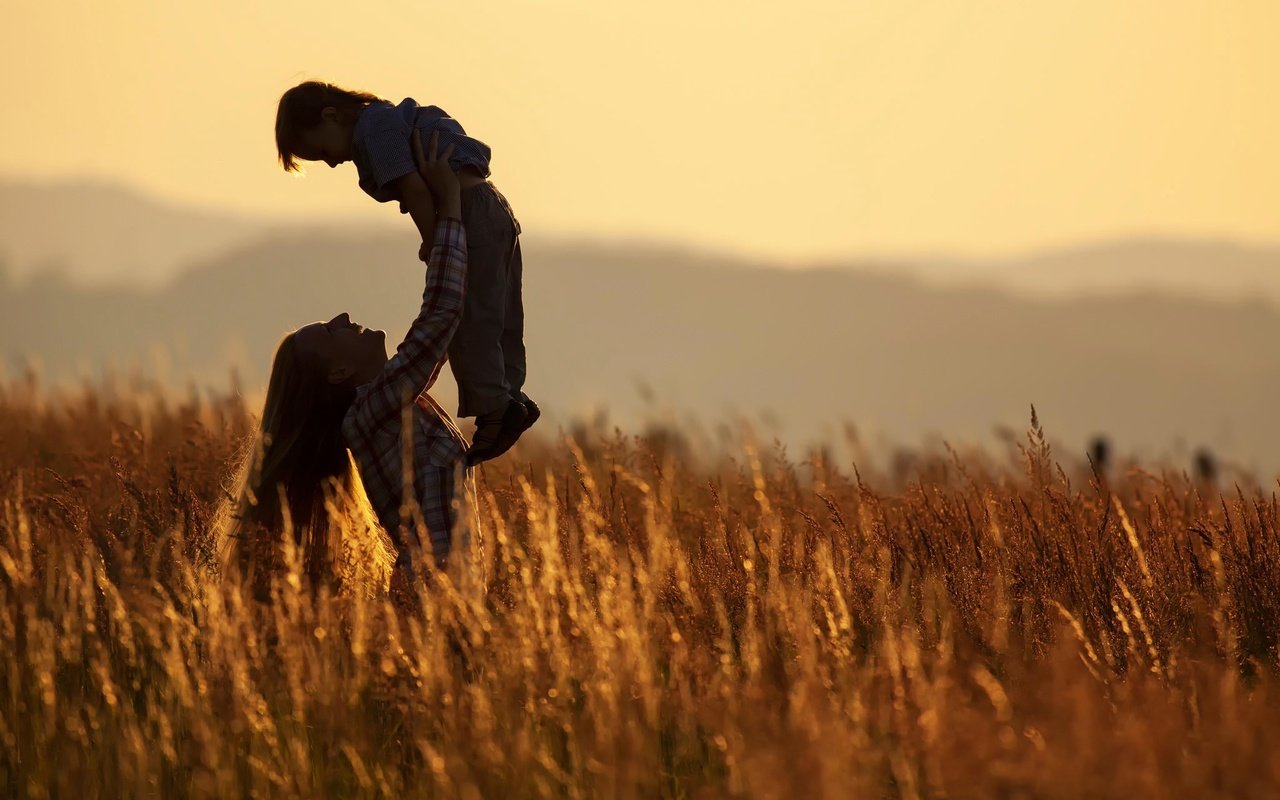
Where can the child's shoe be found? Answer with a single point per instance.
(507, 436)
(532, 411)
(496, 432)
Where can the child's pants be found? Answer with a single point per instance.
(487, 352)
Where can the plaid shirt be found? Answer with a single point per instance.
(373, 425)
(381, 149)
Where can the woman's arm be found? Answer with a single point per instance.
(417, 361)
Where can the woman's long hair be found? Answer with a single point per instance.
(300, 479)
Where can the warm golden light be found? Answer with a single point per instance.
(796, 130)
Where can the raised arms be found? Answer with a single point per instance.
(418, 359)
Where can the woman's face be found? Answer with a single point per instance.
(345, 351)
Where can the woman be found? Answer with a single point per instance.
(333, 435)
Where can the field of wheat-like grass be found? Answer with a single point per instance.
(637, 617)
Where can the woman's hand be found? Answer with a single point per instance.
(438, 175)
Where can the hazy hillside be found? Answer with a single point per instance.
(100, 232)
(1201, 269)
(813, 348)
(1208, 269)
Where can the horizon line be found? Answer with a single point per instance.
(956, 256)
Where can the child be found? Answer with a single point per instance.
(322, 122)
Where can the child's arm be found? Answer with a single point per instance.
(420, 206)
(389, 168)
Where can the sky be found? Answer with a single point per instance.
(792, 131)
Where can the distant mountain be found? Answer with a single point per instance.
(707, 336)
(97, 233)
(1207, 269)
(1202, 269)
(102, 233)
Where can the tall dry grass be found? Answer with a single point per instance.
(636, 622)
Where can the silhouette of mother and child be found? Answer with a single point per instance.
(341, 419)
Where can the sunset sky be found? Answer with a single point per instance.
(786, 130)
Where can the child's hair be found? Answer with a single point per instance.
(300, 477)
(300, 109)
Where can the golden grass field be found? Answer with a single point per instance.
(635, 621)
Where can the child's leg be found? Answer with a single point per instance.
(513, 327)
(513, 352)
(475, 353)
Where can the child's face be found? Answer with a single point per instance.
(329, 141)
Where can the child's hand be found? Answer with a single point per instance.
(436, 172)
